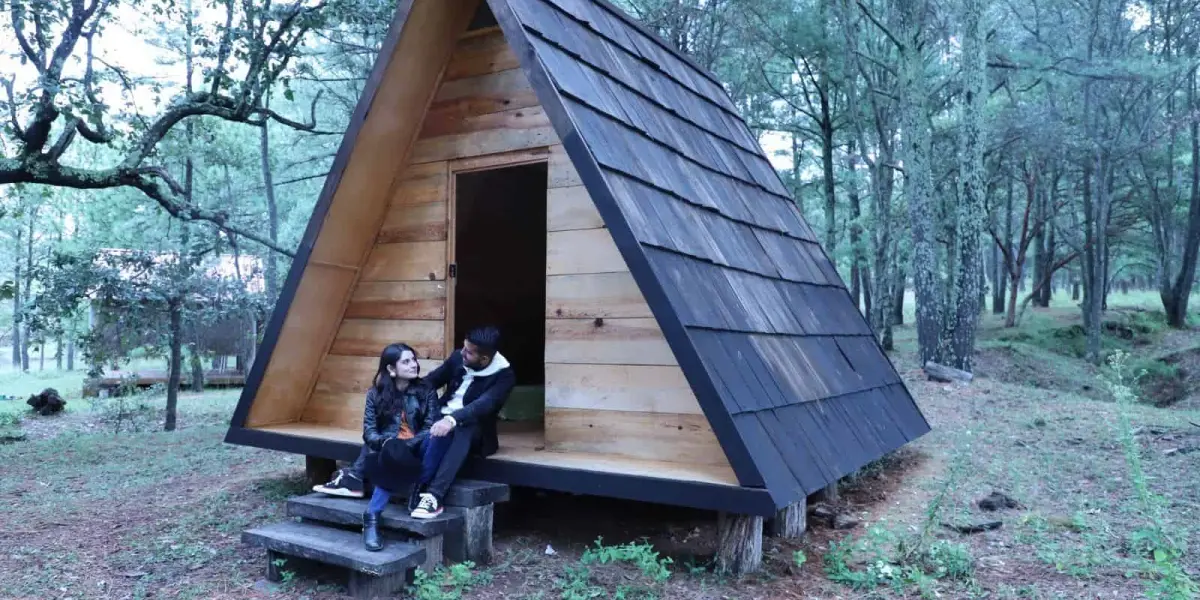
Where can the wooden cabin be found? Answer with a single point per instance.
(549, 166)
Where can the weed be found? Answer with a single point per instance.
(448, 583)
(799, 558)
(1165, 554)
(576, 584)
(640, 555)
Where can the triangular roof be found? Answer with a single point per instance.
(785, 368)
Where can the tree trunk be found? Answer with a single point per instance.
(175, 311)
(1176, 303)
(971, 212)
(1039, 244)
(71, 347)
(272, 271)
(16, 336)
(998, 298)
(28, 290)
(858, 286)
(899, 285)
(197, 365)
(918, 182)
(827, 169)
(739, 543)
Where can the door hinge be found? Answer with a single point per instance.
(453, 270)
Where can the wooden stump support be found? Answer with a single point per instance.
(739, 543)
(791, 522)
(829, 494)
(474, 541)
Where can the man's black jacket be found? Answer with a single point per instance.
(482, 402)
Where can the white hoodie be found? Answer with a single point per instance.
(498, 364)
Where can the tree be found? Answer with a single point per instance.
(244, 57)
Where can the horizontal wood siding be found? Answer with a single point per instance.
(613, 386)
(650, 436)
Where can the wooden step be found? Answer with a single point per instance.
(335, 547)
(349, 511)
(468, 493)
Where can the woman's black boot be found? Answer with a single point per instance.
(371, 537)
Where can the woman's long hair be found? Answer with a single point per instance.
(385, 383)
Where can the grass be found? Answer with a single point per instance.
(1105, 511)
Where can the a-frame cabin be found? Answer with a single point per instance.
(678, 333)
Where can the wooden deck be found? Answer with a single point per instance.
(149, 377)
(524, 443)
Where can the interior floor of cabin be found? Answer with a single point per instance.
(524, 442)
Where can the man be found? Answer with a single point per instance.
(477, 380)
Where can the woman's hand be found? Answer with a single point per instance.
(444, 426)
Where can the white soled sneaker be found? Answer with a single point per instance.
(344, 484)
(427, 508)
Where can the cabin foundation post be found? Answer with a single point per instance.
(791, 522)
(829, 494)
(318, 470)
(739, 543)
(477, 534)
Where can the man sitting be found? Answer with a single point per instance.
(478, 380)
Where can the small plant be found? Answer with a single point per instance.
(576, 584)
(286, 575)
(8, 419)
(641, 555)
(1163, 553)
(799, 558)
(448, 583)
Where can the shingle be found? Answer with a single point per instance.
(771, 463)
(868, 360)
(802, 458)
(719, 363)
(753, 364)
(794, 371)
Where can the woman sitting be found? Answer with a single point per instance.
(400, 409)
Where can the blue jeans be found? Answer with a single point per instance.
(431, 451)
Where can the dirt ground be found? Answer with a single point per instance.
(86, 513)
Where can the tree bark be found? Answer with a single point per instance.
(1176, 302)
(175, 311)
(998, 298)
(857, 284)
(28, 289)
(918, 181)
(971, 181)
(739, 543)
(16, 311)
(899, 285)
(272, 270)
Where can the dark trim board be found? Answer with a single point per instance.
(324, 201)
(704, 496)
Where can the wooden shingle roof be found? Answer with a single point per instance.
(786, 369)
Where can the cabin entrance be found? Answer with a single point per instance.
(498, 274)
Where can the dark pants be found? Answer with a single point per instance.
(431, 461)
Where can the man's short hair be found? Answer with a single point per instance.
(487, 339)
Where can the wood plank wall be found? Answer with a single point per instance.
(313, 321)
(613, 385)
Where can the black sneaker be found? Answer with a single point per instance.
(414, 498)
(428, 507)
(344, 483)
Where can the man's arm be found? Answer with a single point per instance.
(488, 402)
(440, 377)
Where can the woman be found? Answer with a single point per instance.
(400, 409)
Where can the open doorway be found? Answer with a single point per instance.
(499, 275)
